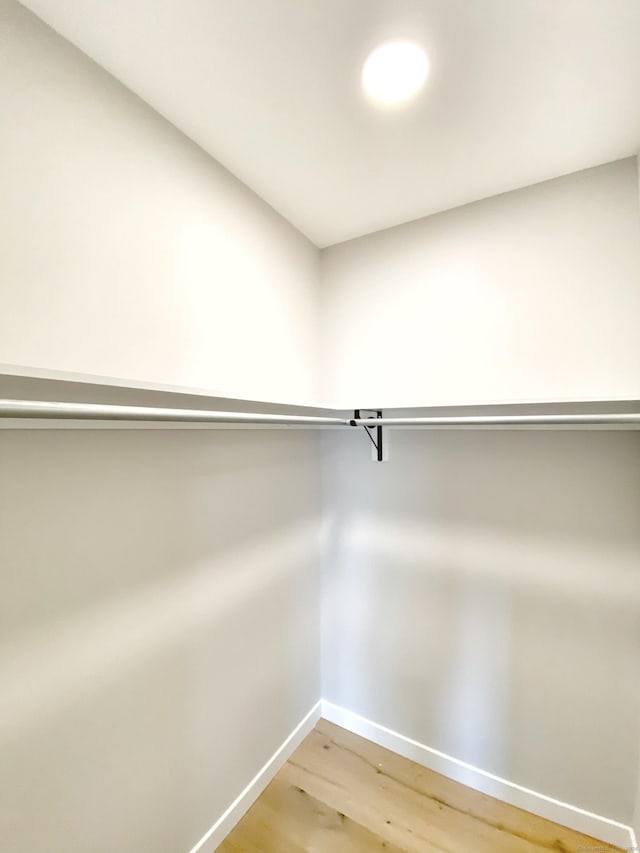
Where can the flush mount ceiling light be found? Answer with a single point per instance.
(395, 71)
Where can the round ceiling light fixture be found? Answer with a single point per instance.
(395, 71)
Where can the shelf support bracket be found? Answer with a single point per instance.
(372, 431)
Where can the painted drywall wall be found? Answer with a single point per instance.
(532, 295)
(482, 597)
(159, 628)
(129, 252)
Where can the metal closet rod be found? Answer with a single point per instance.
(103, 412)
(97, 411)
(504, 420)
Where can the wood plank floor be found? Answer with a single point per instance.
(339, 793)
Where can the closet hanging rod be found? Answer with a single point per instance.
(505, 420)
(38, 409)
(101, 412)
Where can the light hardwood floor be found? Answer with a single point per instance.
(339, 793)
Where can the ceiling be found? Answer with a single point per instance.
(519, 91)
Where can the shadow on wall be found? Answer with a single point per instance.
(158, 589)
(482, 596)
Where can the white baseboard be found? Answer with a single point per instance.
(243, 802)
(599, 827)
(573, 817)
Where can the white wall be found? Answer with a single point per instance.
(532, 295)
(159, 588)
(128, 252)
(482, 596)
(159, 628)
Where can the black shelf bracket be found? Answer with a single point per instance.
(371, 431)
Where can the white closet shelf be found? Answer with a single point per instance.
(40, 398)
(38, 385)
